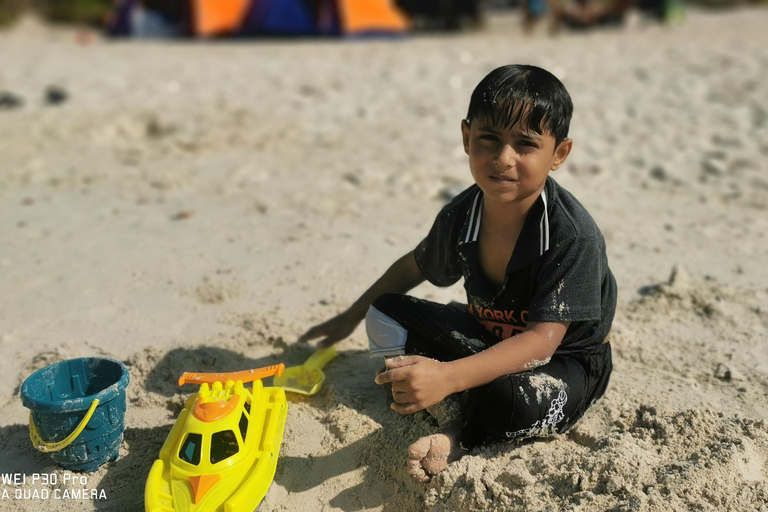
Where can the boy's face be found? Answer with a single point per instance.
(511, 165)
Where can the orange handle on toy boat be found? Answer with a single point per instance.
(243, 376)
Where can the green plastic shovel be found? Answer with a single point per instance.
(309, 377)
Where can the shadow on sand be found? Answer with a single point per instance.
(349, 383)
(381, 453)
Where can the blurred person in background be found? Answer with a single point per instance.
(585, 14)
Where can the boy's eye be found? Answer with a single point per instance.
(491, 138)
(528, 143)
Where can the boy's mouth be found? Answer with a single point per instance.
(502, 179)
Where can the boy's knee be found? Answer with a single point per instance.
(386, 337)
(388, 303)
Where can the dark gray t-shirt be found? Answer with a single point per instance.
(558, 271)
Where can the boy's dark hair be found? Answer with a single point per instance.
(515, 93)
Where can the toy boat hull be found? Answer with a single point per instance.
(242, 486)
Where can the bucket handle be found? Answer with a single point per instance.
(46, 447)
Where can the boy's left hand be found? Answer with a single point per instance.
(417, 382)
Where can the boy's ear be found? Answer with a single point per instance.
(561, 153)
(465, 134)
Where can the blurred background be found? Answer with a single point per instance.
(250, 17)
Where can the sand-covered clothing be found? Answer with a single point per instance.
(558, 271)
(546, 399)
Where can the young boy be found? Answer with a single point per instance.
(529, 353)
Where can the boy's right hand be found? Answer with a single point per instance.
(334, 330)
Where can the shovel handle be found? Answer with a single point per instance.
(243, 376)
(320, 358)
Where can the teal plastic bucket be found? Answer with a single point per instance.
(77, 411)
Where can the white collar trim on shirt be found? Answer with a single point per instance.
(474, 220)
(476, 213)
(544, 226)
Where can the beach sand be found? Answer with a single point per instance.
(196, 207)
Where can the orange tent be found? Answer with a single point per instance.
(366, 16)
(214, 17)
(210, 18)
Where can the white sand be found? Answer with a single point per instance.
(197, 207)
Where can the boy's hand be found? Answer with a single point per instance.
(417, 382)
(334, 330)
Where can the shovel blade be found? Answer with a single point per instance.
(298, 380)
(306, 379)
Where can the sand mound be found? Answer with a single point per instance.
(644, 461)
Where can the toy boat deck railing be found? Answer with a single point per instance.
(242, 376)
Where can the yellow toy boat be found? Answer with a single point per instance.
(221, 453)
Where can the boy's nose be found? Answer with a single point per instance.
(506, 157)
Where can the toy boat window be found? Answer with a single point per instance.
(247, 408)
(190, 449)
(223, 446)
(243, 426)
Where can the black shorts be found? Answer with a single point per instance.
(538, 402)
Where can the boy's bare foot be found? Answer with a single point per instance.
(431, 454)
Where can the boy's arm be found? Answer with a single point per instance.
(418, 382)
(402, 276)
